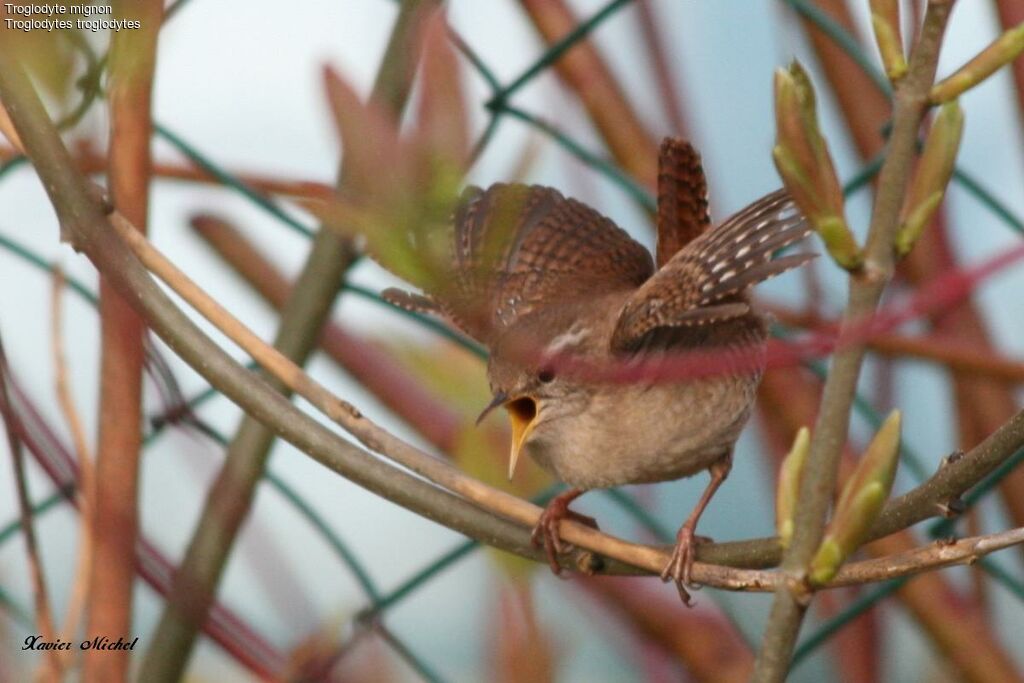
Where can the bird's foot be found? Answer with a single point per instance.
(679, 566)
(546, 534)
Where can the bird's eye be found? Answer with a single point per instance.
(546, 375)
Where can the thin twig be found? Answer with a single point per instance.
(951, 353)
(936, 555)
(50, 667)
(86, 485)
(89, 160)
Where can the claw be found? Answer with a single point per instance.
(679, 566)
(681, 563)
(545, 533)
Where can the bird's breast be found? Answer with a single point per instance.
(635, 434)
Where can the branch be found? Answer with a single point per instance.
(115, 519)
(936, 555)
(866, 287)
(790, 401)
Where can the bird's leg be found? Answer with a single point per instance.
(546, 531)
(678, 568)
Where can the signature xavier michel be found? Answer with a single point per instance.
(98, 643)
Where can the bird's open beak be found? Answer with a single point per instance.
(522, 412)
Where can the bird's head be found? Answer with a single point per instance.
(526, 381)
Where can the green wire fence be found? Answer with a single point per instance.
(500, 105)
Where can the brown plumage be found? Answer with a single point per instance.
(535, 275)
(707, 280)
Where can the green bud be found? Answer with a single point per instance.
(861, 501)
(846, 535)
(826, 562)
(807, 101)
(790, 474)
(802, 158)
(913, 226)
(887, 36)
(934, 169)
(798, 184)
(1000, 52)
(938, 157)
(840, 242)
(878, 464)
(789, 117)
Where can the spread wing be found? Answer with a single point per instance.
(516, 247)
(707, 280)
(682, 198)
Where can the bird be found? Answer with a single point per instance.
(539, 278)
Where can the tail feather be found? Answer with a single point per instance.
(682, 198)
